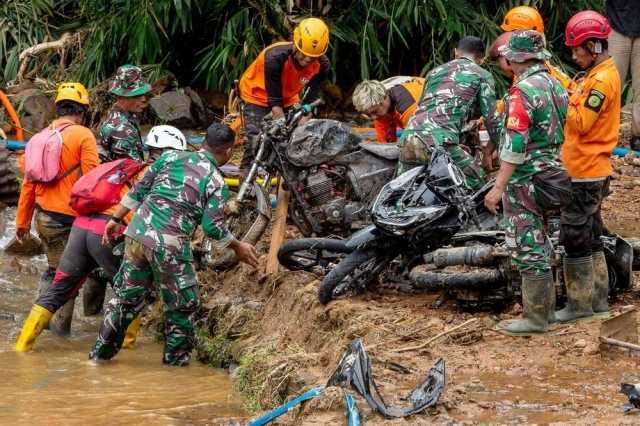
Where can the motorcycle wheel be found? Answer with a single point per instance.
(311, 254)
(354, 274)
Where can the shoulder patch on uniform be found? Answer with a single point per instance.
(595, 100)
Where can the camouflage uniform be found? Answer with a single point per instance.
(119, 134)
(536, 110)
(179, 192)
(454, 93)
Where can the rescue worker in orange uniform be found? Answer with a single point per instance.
(50, 201)
(390, 103)
(528, 18)
(591, 133)
(275, 79)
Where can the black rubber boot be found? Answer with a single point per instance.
(600, 283)
(60, 324)
(578, 277)
(536, 303)
(93, 293)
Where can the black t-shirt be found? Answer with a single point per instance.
(624, 16)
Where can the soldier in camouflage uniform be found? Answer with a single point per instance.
(119, 135)
(536, 110)
(454, 93)
(181, 190)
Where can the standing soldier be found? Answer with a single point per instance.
(181, 190)
(453, 92)
(119, 135)
(591, 133)
(528, 18)
(390, 103)
(274, 80)
(537, 106)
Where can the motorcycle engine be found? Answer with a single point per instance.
(322, 188)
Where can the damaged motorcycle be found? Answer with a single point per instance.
(331, 174)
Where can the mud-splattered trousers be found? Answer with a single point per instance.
(144, 271)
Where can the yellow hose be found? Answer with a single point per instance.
(236, 182)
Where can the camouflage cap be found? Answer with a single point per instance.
(525, 45)
(128, 82)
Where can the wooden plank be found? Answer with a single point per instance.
(277, 234)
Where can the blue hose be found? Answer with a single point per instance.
(621, 152)
(284, 408)
(353, 414)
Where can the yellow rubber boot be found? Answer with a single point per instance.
(132, 333)
(34, 324)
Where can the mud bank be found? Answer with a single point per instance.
(278, 341)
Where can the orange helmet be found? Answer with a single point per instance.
(523, 18)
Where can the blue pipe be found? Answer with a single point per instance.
(284, 408)
(13, 145)
(621, 152)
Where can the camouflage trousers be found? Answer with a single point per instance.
(525, 232)
(414, 152)
(142, 271)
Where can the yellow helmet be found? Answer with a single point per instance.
(523, 18)
(75, 92)
(311, 37)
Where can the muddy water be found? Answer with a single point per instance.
(57, 384)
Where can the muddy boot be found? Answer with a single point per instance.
(600, 283)
(93, 294)
(551, 313)
(578, 277)
(536, 303)
(132, 333)
(60, 324)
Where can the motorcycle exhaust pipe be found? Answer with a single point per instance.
(479, 255)
(469, 280)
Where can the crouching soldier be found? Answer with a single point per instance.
(537, 107)
(84, 250)
(180, 191)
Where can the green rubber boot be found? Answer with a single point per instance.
(578, 277)
(600, 283)
(536, 303)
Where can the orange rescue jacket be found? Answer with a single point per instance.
(275, 79)
(78, 149)
(404, 101)
(593, 123)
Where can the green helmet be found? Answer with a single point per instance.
(525, 45)
(128, 82)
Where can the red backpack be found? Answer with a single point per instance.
(101, 187)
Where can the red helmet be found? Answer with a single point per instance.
(501, 40)
(585, 25)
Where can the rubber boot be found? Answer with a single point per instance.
(578, 277)
(60, 324)
(536, 304)
(551, 313)
(132, 333)
(93, 293)
(600, 283)
(37, 320)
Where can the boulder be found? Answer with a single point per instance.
(36, 110)
(173, 108)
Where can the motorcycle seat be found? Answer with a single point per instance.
(387, 151)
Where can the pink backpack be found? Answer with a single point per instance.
(42, 155)
(101, 187)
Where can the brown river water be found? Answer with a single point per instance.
(56, 384)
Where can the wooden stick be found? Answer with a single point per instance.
(277, 234)
(616, 342)
(32, 51)
(436, 337)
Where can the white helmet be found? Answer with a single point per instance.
(166, 137)
(368, 94)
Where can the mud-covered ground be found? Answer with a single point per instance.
(281, 341)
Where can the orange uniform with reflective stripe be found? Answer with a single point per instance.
(404, 101)
(278, 57)
(78, 148)
(593, 123)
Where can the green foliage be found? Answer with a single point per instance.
(210, 42)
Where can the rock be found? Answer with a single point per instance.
(580, 344)
(36, 110)
(173, 108)
(201, 113)
(591, 349)
(30, 247)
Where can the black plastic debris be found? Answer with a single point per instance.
(355, 370)
(633, 393)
